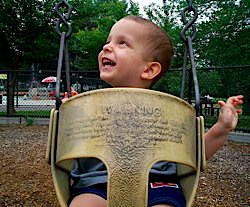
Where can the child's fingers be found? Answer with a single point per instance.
(235, 100)
(221, 103)
(65, 97)
(240, 97)
(239, 111)
(65, 94)
(73, 93)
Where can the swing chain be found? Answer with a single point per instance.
(63, 18)
(189, 2)
(188, 40)
(63, 50)
(189, 24)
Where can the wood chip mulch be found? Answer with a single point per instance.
(25, 178)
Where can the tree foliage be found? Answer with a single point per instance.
(93, 20)
(223, 29)
(27, 36)
(25, 32)
(223, 39)
(223, 35)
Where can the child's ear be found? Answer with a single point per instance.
(151, 71)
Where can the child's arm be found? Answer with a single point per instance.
(228, 119)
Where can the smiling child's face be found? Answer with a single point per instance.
(121, 62)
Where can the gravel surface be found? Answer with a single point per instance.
(25, 178)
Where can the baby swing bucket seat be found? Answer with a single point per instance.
(129, 130)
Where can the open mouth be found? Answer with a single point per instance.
(107, 62)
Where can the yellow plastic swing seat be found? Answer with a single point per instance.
(129, 130)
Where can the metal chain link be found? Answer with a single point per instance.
(63, 18)
(188, 40)
(189, 24)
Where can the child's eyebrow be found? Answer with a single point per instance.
(108, 39)
(127, 37)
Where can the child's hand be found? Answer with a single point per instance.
(73, 93)
(228, 117)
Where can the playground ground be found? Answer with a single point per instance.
(25, 178)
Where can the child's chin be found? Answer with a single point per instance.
(106, 77)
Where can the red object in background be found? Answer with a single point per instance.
(52, 93)
(50, 79)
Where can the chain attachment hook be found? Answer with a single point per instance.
(190, 23)
(63, 50)
(188, 40)
(63, 18)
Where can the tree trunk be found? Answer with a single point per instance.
(12, 75)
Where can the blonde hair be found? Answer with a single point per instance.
(158, 44)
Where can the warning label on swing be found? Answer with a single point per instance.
(147, 123)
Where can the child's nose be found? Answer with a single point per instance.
(108, 48)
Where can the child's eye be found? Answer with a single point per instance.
(106, 43)
(123, 42)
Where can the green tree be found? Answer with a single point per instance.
(224, 40)
(93, 20)
(26, 37)
(27, 33)
(223, 35)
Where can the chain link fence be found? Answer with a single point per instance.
(214, 84)
(35, 98)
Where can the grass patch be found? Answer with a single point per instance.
(37, 113)
(34, 113)
(30, 121)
